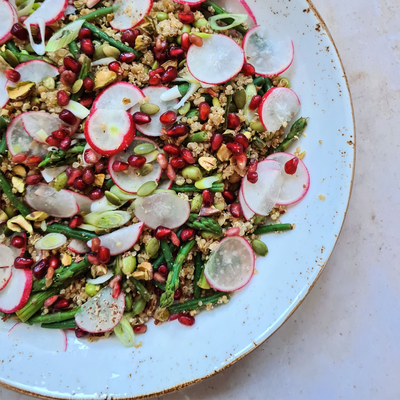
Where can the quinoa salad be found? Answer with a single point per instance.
(146, 146)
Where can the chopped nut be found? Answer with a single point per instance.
(147, 269)
(37, 216)
(139, 275)
(99, 180)
(16, 223)
(223, 153)
(66, 260)
(18, 183)
(98, 270)
(208, 163)
(19, 170)
(21, 91)
(104, 78)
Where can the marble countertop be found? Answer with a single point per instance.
(342, 343)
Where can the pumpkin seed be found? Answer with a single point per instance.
(76, 87)
(257, 126)
(152, 247)
(10, 58)
(259, 247)
(196, 203)
(112, 198)
(147, 188)
(149, 108)
(193, 173)
(161, 16)
(152, 156)
(240, 98)
(110, 51)
(144, 148)
(145, 170)
(185, 108)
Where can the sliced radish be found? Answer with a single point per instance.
(218, 60)
(102, 205)
(5, 276)
(18, 141)
(8, 19)
(231, 264)
(130, 181)
(51, 173)
(101, 279)
(247, 213)
(78, 247)
(155, 126)
(238, 7)
(101, 313)
(55, 340)
(50, 10)
(51, 241)
(270, 55)
(109, 132)
(7, 256)
(262, 196)
(118, 96)
(278, 106)
(35, 71)
(121, 240)
(16, 252)
(84, 202)
(44, 198)
(3, 92)
(16, 294)
(190, 2)
(129, 13)
(165, 184)
(35, 121)
(294, 187)
(162, 209)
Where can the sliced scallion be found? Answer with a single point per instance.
(238, 19)
(64, 36)
(107, 219)
(124, 333)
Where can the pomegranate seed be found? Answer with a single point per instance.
(136, 161)
(115, 66)
(197, 41)
(141, 118)
(87, 47)
(19, 242)
(162, 160)
(96, 194)
(248, 69)
(168, 118)
(156, 72)
(161, 45)
(90, 156)
(23, 262)
(216, 141)
(291, 166)
(40, 269)
(187, 320)
(62, 98)
(84, 33)
(67, 117)
(253, 165)
(99, 166)
(242, 139)
(104, 254)
(65, 143)
(252, 177)
(235, 148)
(87, 100)
(178, 162)
(116, 290)
(48, 33)
(72, 65)
(173, 317)
(50, 301)
(88, 84)
(140, 328)
(33, 179)
(172, 149)
(235, 210)
(169, 75)
(154, 81)
(95, 244)
(79, 184)
(187, 234)
(255, 102)
(178, 130)
(19, 158)
(159, 277)
(12, 75)
(19, 32)
(178, 294)
(33, 161)
(61, 304)
(79, 333)
(174, 239)
(59, 134)
(186, 17)
(233, 121)
(129, 36)
(185, 41)
(119, 166)
(73, 174)
(88, 176)
(241, 161)
(170, 172)
(204, 111)
(162, 233)
(68, 78)
(92, 258)
(208, 198)
(117, 278)
(52, 141)
(228, 196)
(176, 52)
(188, 156)
(127, 57)
(163, 269)
(76, 221)
(160, 56)
(54, 261)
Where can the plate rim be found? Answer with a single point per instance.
(256, 345)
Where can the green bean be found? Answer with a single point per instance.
(128, 302)
(194, 304)
(69, 324)
(15, 201)
(167, 254)
(160, 285)
(267, 85)
(73, 48)
(12, 47)
(259, 81)
(70, 232)
(100, 12)
(273, 228)
(56, 317)
(141, 289)
(216, 187)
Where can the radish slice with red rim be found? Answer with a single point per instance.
(51, 173)
(189, 2)
(102, 205)
(109, 132)
(3, 92)
(35, 121)
(162, 209)
(35, 71)
(16, 294)
(278, 106)
(165, 184)
(16, 252)
(270, 54)
(261, 197)
(84, 202)
(155, 126)
(295, 186)
(218, 60)
(238, 7)
(118, 96)
(7, 255)
(247, 213)
(8, 19)
(32, 335)
(130, 181)
(121, 240)
(231, 264)
(5, 276)
(44, 198)
(101, 313)
(129, 13)
(78, 247)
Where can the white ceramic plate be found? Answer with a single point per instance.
(173, 356)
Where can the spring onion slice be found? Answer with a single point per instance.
(239, 19)
(107, 219)
(23, 8)
(124, 333)
(51, 241)
(251, 91)
(77, 109)
(64, 36)
(206, 183)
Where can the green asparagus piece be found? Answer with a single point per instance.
(56, 317)
(167, 298)
(73, 48)
(273, 228)
(61, 275)
(70, 324)
(204, 224)
(216, 187)
(259, 81)
(59, 158)
(166, 250)
(296, 130)
(100, 12)
(141, 289)
(79, 234)
(194, 304)
(228, 104)
(197, 273)
(161, 258)
(15, 201)
(267, 85)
